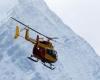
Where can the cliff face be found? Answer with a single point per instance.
(76, 58)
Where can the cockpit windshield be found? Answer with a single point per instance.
(51, 52)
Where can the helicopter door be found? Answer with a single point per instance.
(42, 52)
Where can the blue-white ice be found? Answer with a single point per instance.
(76, 58)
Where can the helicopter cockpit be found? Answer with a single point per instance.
(52, 52)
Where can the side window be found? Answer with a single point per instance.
(49, 51)
(55, 52)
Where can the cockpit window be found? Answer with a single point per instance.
(51, 52)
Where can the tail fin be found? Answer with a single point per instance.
(17, 32)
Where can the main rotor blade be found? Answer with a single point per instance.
(31, 28)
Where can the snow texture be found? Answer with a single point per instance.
(76, 58)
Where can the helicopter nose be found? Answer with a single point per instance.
(55, 59)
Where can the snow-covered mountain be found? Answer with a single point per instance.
(76, 58)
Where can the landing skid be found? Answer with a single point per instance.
(30, 58)
(50, 67)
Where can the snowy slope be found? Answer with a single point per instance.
(76, 58)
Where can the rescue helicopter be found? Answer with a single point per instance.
(43, 50)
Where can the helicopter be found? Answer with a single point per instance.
(43, 50)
